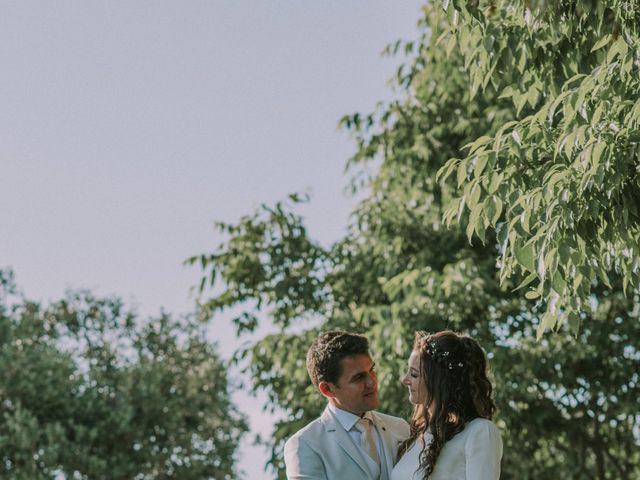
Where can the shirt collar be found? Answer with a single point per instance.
(347, 419)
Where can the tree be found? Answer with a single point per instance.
(560, 180)
(91, 391)
(566, 403)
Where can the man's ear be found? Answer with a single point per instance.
(327, 389)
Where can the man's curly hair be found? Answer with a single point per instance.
(326, 352)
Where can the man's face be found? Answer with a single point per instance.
(356, 390)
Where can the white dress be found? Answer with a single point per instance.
(473, 454)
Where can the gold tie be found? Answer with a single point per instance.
(364, 426)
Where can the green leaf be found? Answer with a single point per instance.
(573, 79)
(474, 196)
(597, 152)
(525, 256)
(451, 44)
(533, 95)
(507, 92)
(597, 115)
(446, 170)
(524, 220)
(602, 42)
(614, 50)
(474, 219)
(519, 102)
(532, 294)
(542, 267)
(574, 322)
(558, 283)
(530, 278)
(497, 212)
(602, 273)
(559, 99)
(577, 280)
(480, 142)
(522, 61)
(548, 321)
(565, 253)
(453, 210)
(516, 137)
(481, 162)
(496, 180)
(489, 206)
(462, 173)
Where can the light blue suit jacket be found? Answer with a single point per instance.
(323, 450)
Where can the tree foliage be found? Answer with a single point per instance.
(90, 391)
(567, 403)
(560, 181)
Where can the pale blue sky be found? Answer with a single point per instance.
(128, 127)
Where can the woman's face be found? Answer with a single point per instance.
(414, 380)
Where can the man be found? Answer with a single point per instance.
(349, 441)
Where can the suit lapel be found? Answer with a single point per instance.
(337, 433)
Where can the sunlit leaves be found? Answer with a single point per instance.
(566, 167)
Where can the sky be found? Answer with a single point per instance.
(128, 127)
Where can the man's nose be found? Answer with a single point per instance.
(371, 380)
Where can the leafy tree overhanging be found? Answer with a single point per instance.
(567, 402)
(560, 181)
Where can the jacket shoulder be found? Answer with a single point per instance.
(306, 434)
(396, 423)
(391, 419)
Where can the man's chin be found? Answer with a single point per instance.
(373, 402)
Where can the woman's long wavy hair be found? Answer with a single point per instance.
(454, 370)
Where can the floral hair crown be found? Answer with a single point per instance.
(443, 357)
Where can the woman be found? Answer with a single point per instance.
(452, 435)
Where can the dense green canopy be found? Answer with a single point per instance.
(88, 391)
(542, 198)
(560, 180)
